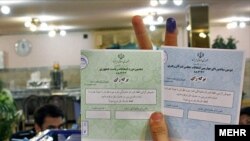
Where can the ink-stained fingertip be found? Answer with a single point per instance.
(171, 25)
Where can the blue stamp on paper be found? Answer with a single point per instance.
(84, 62)
(84, 128)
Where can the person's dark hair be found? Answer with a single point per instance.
(245, 111)
(48, 110)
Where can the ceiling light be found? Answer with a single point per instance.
(148, 19)
(27, 24)
(188, 28)
(5, 10)
(202, 35)
(234, 22)
(63, 33)
(232, 25)
(153, 19)
(152, 27)
(35, 24)
(178, 2)
(32, 21)
(242, 24)
(33, 28)
(44, 26)
(163, 2)
(52, 33)
(153, 2)
(160, 19)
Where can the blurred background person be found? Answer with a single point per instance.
(48, 116)
(245, 116)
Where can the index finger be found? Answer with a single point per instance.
(171, 32)
(141, 33)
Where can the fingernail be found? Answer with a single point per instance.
(171, 25)
(156, 116)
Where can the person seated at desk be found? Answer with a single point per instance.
(46, 117)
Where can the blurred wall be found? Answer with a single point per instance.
(45, 50)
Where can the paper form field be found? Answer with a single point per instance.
(132, 114)
(173, 112)
(209, 117)
(98, 114)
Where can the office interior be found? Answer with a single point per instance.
(73, 25)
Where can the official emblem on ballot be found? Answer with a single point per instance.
(119, 91)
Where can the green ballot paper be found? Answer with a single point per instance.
(119, 91)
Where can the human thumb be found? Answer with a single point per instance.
(158, 127)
